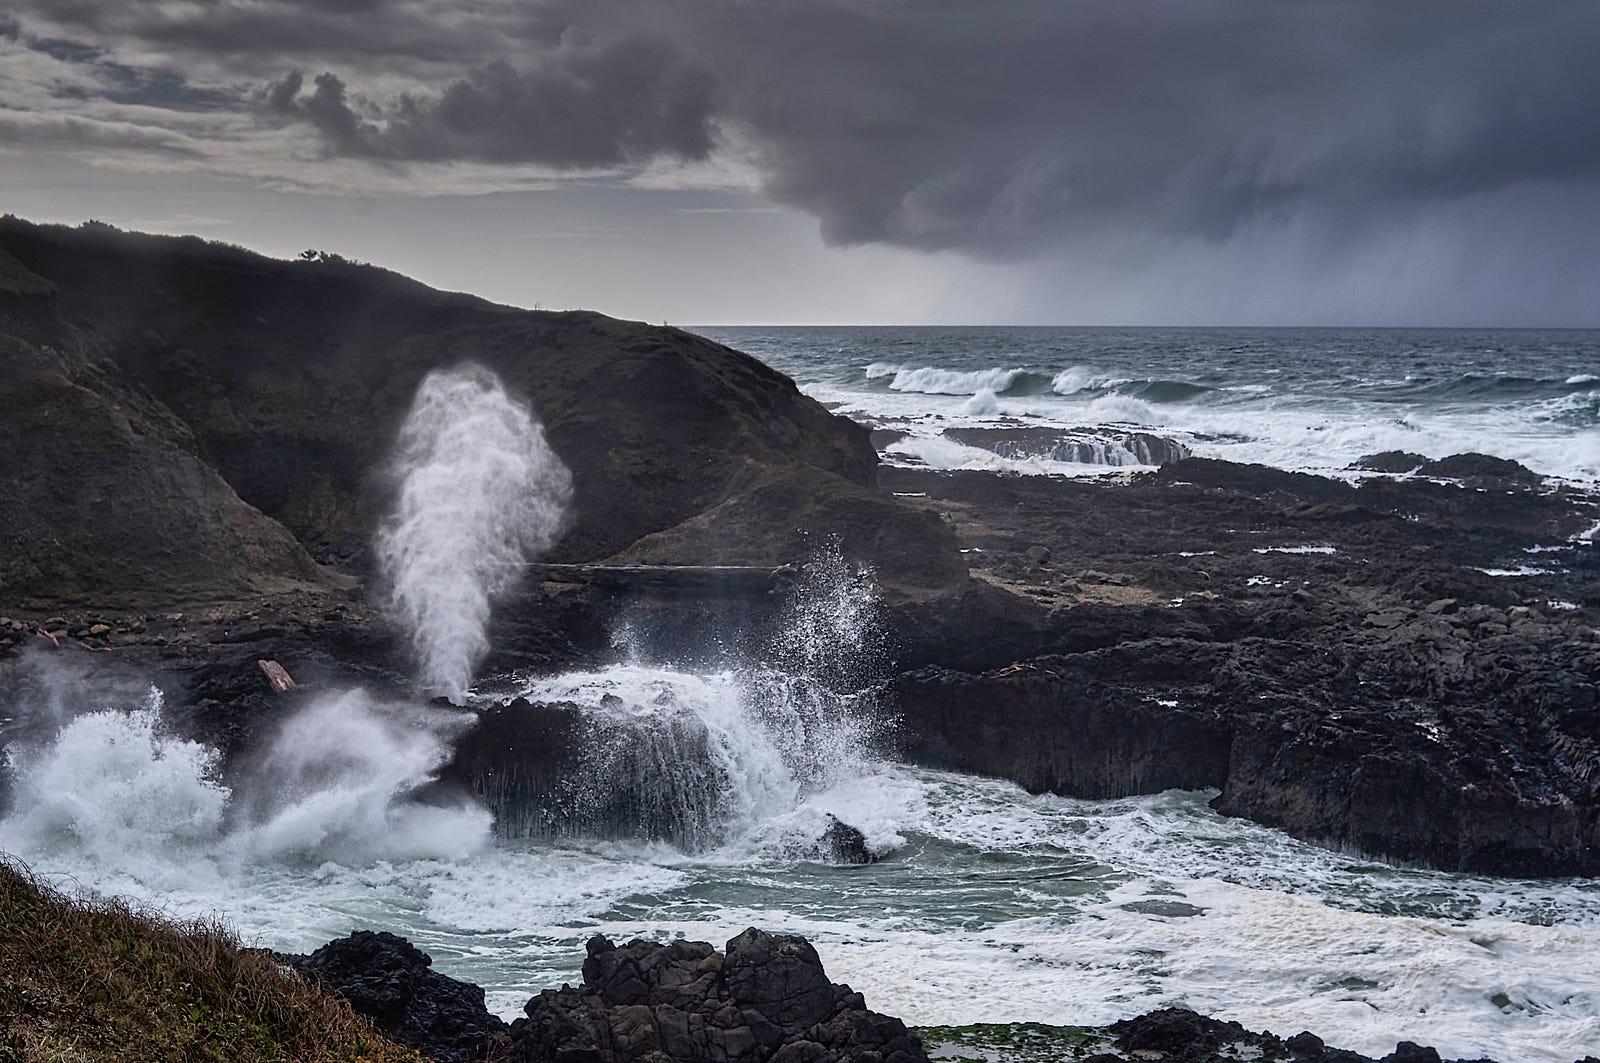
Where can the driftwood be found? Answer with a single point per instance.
(277, 678)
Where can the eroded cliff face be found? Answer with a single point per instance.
(1338, 661)
(105, 500)
(253, 388)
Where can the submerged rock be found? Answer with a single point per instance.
(766, 998)
(844, 844)
(1085, 446)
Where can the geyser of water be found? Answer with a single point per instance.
(480, 492)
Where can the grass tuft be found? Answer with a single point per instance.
(90, 979)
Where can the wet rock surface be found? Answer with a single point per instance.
(1403, 668)
(1405, 665)
(844, 844)
(1176, 1035)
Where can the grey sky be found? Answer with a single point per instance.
(1097, 161)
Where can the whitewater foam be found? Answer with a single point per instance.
(112, 786)
(112, 789)
(336, 780)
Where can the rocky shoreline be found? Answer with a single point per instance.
(764, 998)
(1402, 661)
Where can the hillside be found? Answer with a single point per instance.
(211, 398)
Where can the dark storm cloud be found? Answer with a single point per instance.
(582, 106)
(1002, 128)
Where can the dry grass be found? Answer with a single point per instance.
(86, 979)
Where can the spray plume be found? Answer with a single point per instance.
(480, 492)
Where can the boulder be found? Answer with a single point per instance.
(390, 981)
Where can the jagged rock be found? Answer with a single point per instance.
(391, 982)
(1091, 446)
(765, 1000)
(1417, 747)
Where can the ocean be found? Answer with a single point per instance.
(1306, 399)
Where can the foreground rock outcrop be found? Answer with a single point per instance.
(765, 999)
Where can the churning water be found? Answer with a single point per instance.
(1307, 399)
(991, 905)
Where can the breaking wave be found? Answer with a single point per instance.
(695, 759)
(339, 781)
(931, 381)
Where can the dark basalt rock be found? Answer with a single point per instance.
(1422, 740)
(1097, 446)
(387, 979)
(1481, 467)
(1058, 728)
(1177, 1035)
(1391, 461)
(1336, 658)
(765, 1000)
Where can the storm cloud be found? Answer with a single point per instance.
(596, 106)
(1012, 129)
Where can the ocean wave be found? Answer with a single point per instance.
(1123, 409)
(931, 380)
(1163, 390)
(1499, 386)
(1080, 380)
